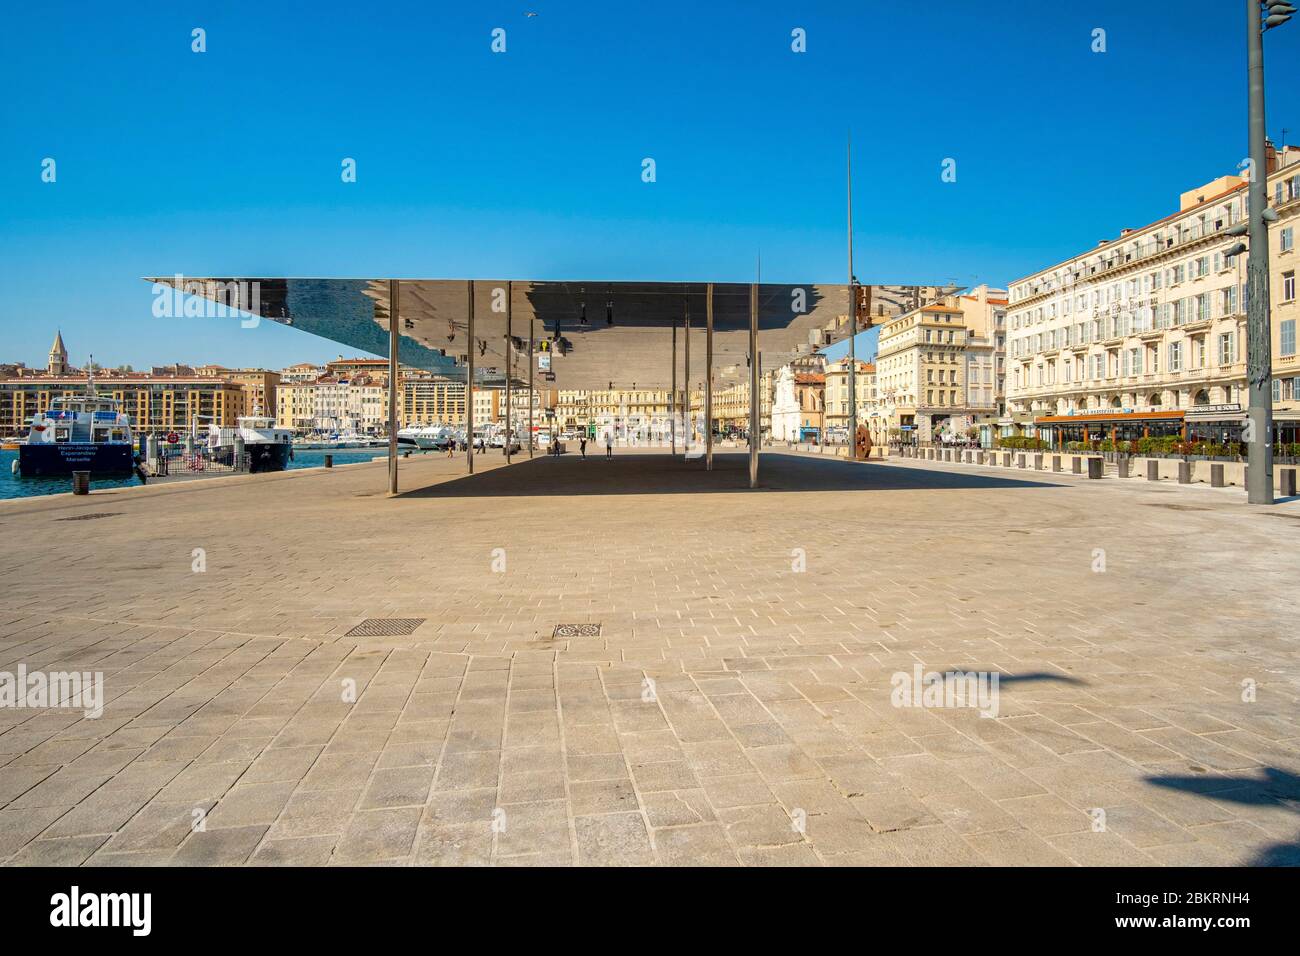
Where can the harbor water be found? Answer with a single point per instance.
(11, 486)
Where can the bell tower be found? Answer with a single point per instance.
(58, 364)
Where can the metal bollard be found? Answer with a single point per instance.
(1216, 476)
(1094, 467)
(329, 461)
(1153, 470)
(1286, 482)
(1038, 462)
(81, 482)
(1076, 464)
(1184, 472)
(1124, 465)
(1056, 463)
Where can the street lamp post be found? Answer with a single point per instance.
(853, 318)
(1259, 345)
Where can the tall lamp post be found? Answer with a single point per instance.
(853, 318)
(1260, 16)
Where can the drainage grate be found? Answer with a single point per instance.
(386, 627)
(91, 516)
(576, 630)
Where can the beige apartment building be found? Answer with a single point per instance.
(1145, 334)
(302, 372)
(155, 403)
(937, 368)
(731, 405)
(296, 406)
(540, 401)
(577, 409)
(259, 386)
(837, 399)
(489, 405)
(431, 401)
(346, 368)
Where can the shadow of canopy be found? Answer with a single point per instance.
(655, 474)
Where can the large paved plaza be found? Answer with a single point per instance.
(734, 708)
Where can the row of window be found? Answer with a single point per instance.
(1139, 360)
(1225, 302)
(1205, 224)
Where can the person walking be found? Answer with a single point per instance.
(582, 446)
(609, 444)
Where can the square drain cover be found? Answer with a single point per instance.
(576, 630)
(386, 627)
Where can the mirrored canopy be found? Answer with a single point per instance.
(596, 332)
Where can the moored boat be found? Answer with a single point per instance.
(78, 433)
(268, 448)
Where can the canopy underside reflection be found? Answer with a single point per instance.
(595, 333)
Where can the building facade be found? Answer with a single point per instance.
(155, 403)
(937, 368)
(1145, 335)
(837, 399)
(296, 406)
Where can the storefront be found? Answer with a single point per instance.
(1218, 424)
(1286, 427)
(1118, 425)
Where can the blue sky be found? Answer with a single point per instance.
(528, 163)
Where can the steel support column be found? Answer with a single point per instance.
(686, 447)
(530, 386)
(753, 385)
(510, 364)
(708, 378)
(672, 397)
(394, 287)
(469, 385)
(853, 323)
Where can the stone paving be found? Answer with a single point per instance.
(736, 707)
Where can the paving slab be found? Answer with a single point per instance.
(732, 709)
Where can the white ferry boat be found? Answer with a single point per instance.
(268, 448)
(426, 437)
(78, 433)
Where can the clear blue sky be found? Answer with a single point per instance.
(528, 163)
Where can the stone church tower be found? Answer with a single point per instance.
(58, 364)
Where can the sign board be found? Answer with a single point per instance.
(544, 362)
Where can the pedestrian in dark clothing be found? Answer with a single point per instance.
(582, 446)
